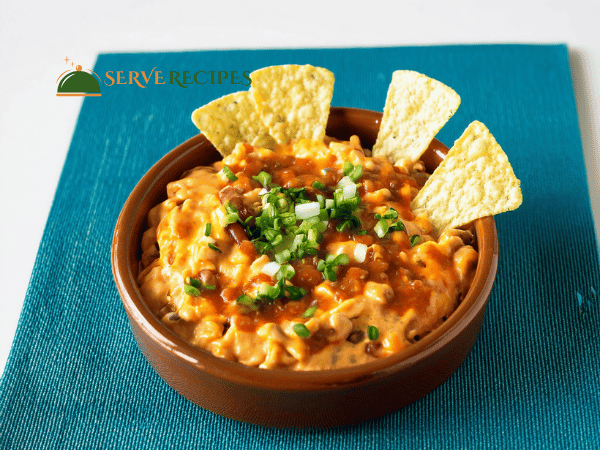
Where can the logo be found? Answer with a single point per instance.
(86, 83)
(78, 83)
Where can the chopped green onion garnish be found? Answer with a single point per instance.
(271, 234)
(215, 248)
(285, 272)
(231, 218)
(193, 287)
(191, 290)
(321, 200)
(330, 265)
(207, 229)
(229, 174)
(391, 214)
(283, 256)
(269, 292)
(342, 259)
(373, 333)
(356, 173)
(343, 226)
(310, 311)
(230, 208)
(232, 214)
(263, 178)
(397, 226)
(318, 185)
(282, 204)
(301, 330)
(414, 240)
(194, 282)
(348, 167)
(330, 274)
(296, 293)
(381, 228)
(246, 300)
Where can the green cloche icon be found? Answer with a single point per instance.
(79, 83)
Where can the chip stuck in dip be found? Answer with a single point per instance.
(302, 252)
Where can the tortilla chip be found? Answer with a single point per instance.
(416, 108)
(231, 119)
(293, 100)
(475, 180)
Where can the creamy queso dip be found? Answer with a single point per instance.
(306, 258)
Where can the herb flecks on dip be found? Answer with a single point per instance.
(308, 258)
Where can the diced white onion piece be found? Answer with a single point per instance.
(379, 230)
(263, 191)
(307, 210)
(271, 268)
(222, 217)
(346, 181)
(360, 252)
(329, 203)
(349, 191)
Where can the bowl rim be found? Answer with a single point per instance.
(281, 379)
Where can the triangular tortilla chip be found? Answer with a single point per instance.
(231, 119)
(293, 100)
(475, 180)
(416, 108)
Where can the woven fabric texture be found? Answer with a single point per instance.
(75, 378)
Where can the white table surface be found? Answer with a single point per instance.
(35, 38)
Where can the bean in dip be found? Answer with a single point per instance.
(302, 252)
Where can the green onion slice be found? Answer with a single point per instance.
(373, 333)
(215, 248)
(301, 330)
(246, 300)
(391, 214)
(191, 290)
(414, 240)
(318, 185)
(263, 178)
(229, 174)
(285, 272)
(356, 173)
(310, 311)
(342, 259)
(381, 228)
(295, 293)
(194, 282)
(348, 167)
(397, 226)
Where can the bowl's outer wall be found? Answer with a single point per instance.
(348, 402)
(301, 409)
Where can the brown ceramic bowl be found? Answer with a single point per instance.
(281, 398)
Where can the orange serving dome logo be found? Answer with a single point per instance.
(78, 83)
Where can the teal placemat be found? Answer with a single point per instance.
(75, 378)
